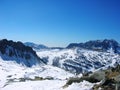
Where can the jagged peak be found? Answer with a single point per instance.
(102, 45)
(35, 46)
(17, 51)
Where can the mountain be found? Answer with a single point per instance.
(84, 57)
(35, 46)
(98, 45)
(76, 58)
(60, 48)
(14, 76)
(79, 60)
(18, 52)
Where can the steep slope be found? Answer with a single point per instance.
(38, 47)
(85, 57)
(14, 76)
(98, 45)
(79, 60)
(18, 52)
(35, 46)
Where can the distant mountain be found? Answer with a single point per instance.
(76, 58)
(36, 46)
(84, 57)
(79, 60)
(57, 48)
(18, 52)
(98, 45)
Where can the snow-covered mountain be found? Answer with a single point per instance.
(98, 45)
(20, 69)
(79, 60)
(18, 52)
(35, 46)
(14, 76)
(84, 57)
(39, 47)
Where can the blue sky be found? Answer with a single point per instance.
(59, 22)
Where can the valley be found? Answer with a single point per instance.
(72, 68)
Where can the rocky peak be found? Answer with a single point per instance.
(98, 45)
(10, 50)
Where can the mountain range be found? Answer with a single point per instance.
(35, 46)
(37, 67)
(98, 45)
(18, 52)
(76, 57)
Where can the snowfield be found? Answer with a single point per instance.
(79, 60)
(12, 73)
(21, 68)
(48, 85)
(53, 76)
(36, 85)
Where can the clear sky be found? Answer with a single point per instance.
(59, 22)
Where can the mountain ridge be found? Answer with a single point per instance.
(17, 51)
(77, 59)
(104, 45)
(35, 46)
(98, 45)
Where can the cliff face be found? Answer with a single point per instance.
(98, 45)
(17, 51)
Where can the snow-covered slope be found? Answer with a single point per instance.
(18, 52)
(14, 76)
(14, 70)
(16, 57)
(48, 85)
(35, 46)
(79, 60)
(105, 45)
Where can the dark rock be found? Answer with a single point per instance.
(98, 45)
(19, 52)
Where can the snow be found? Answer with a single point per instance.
(48, 85)
(16, 76)
(10, 70)
(80, 86)
(80, 58)
(21, 60)
(36, 85)
(67, 53)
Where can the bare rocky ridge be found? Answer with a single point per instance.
(98, 45)
(17, 51)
